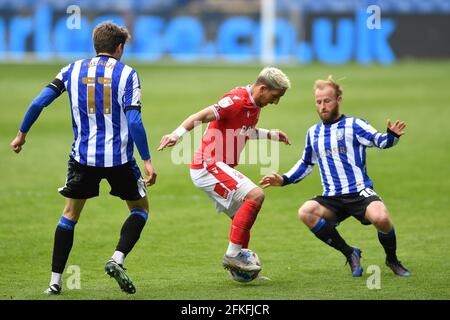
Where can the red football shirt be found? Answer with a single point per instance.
(225, 138)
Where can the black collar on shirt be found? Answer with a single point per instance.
(335, 121)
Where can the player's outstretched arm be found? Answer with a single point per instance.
(398, 127)
(46, 97)
(275, 135)
(370, 137)
(205, 115)
(279, 135)
(273, 179)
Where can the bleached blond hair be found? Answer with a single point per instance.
(273, 78)
(320, 84)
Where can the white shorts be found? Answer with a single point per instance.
(226, 186)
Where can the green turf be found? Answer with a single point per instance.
(180, 251)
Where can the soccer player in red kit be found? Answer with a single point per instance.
(231, 122)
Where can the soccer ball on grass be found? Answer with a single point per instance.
(247, 276)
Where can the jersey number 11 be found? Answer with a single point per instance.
(90, 82)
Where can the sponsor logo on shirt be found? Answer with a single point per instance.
(333, 151)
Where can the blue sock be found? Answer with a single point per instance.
(319, 225)
(62, 244)
(140, 212)
(66, 223)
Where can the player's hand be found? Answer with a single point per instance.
(168, 140)
(279, 135)
(273, 179)
(397, 127)
(150, 173)
(18, 142)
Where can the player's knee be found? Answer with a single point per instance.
(257, 195)
(141, 204)
(309, 212)
(383, 222)
(306, 212)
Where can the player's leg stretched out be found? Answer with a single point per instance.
(63, 242)
(241, 224)
(127, 185)
(378, 215)
(319, 220)
(129, 235)
(373, 211)
(238, 197)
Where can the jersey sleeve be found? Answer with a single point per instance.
(138, 133)
(34, 110)
(59, 84)
(226, 108)
(369, 136)
(52, 91)
(132, 94)
(304, 166)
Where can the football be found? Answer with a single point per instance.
(247, 276)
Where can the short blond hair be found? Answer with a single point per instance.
(320, 84)
(273, 78)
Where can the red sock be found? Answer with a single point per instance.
(246, 240)
(243, 221)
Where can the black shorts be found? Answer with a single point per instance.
(83, 182)
(352, 204)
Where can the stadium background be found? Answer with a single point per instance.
(188, 53)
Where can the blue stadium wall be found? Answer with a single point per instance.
(329, 32)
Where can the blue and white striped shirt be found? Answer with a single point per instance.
(101, 90)
(340, 150)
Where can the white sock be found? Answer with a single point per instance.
(56, 279)
(233, 249)
(118, 257)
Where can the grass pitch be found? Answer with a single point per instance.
(180, 251)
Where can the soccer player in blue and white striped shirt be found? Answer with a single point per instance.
(105, 105)
(338, 144)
